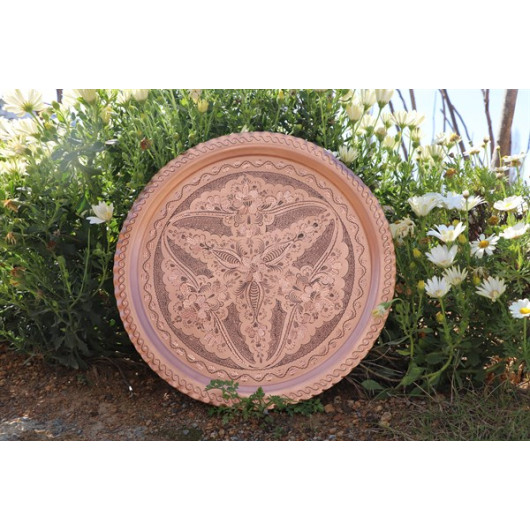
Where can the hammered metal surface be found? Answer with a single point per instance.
(257, 258)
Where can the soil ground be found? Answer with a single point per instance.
(127, 401)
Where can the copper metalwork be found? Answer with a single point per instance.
(257, 258)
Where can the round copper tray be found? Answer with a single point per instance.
(257, 258)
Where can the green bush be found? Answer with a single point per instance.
(71, 162)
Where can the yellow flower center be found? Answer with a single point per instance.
(524, 310)
(484, 244)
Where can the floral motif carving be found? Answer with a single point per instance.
(257, 270)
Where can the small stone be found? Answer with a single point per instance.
(385, 419)
(379, 408)
(333, 430)
(221, 432)
(329, 408)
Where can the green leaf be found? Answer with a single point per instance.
(435, 357)
(413, 373)
(370, 384)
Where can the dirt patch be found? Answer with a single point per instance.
(125, 400)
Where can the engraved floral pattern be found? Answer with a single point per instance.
(282, 290)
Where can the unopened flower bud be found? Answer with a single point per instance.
(416, 253)
(421, 285)
(202, 106)
(462, 239)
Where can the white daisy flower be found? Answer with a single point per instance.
(71, 95)
(383, 95)
(436, 152)
(422, 205)
(103, 213)
(13, 166)
(403, 228)
(473, 150)
(520, 308)
(26, 127)
(509, 204)
(138, 94)
(492, 288)
(484, 245)
(454, 275)
(471, 202)
(6, 128)
(437, 287)
(447, 234)
(22, 103)
(389, 142)
(415, 119)
(367, 124)
(452, 201)
(515, 231)
(400, 118)
(442, 256)
(354, 111)
(442, 138)
(348, 154)
(514, 160)
(367, 97)
(386, 119)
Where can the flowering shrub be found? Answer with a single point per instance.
(69, 173)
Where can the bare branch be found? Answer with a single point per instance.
(444, 110)
(504, 138)
(451, 108)
(59, 92)
(402, 100)
(463, 124)
(486, 97)
(412, 98)
(434, 115)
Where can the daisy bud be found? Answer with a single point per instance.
(421, 285)
(462, 239)
(439, 317)
(380, 132)
(416, 253)
(202, 106)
